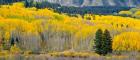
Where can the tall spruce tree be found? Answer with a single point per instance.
(26, 3)
(103, 42)
(29, 3)
(106, 43)
(98, 41)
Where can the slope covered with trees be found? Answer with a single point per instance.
(35, 31)
(9, 1)
(104, 10)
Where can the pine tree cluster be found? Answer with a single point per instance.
(103, 42)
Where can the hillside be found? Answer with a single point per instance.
(72, 10)
(42, 34)
(63, 29)
(126, 3)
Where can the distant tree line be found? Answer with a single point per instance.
(8, 1)
(76, 10)
(70, 9)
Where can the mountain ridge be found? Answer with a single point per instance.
(79, 3)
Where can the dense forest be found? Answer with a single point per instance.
(105, 10)
(31, 33)
(9, 1)
(77, 10)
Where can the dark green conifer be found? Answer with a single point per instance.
(106, 43)
(103, 42)
(98, 41)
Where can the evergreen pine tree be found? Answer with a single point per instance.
(98, 41)
(106, 43)
(103, 42)
(26, 3)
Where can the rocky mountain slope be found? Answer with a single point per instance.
(126, 3)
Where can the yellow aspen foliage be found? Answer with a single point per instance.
(126, 12)
(4, 53)
(127, 41)
(7, 36)
(136, 14)
(89, 17)
(27, 53)
(16, 20)
(15, 49)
